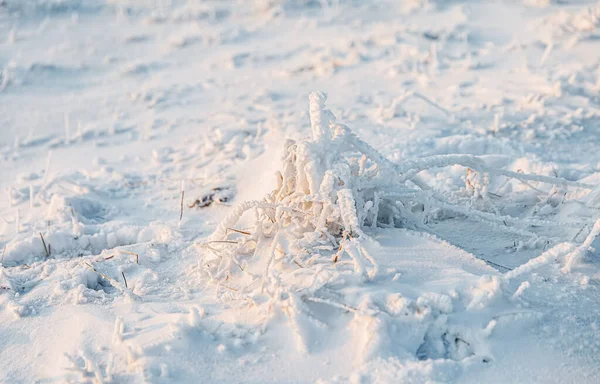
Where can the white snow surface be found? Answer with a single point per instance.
(435, 211)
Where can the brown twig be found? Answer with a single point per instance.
(137, 257)
(217, 253)
(44, 243)
(113, 282)
(225, 286)
(90, 266)
(238, 231)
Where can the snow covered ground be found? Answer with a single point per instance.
(130, 129)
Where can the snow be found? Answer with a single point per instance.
(299, 191)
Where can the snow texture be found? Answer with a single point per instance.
(335, 191)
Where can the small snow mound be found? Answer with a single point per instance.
(86, 209)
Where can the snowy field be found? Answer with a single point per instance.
(299, 191)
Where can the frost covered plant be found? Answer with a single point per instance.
(309, 234)
(581, 24)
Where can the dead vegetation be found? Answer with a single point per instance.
(219, 195)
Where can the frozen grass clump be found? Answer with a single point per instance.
(306, 241)
(332, 187)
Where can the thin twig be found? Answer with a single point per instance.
(238, 231)
(181, 212)
(44, 243)
(225, 286)
(332, 303)
(497, 265)
(528, 184)
(217, 253)
(90, 266)
(137, 257)
(3, 253)
(581, 230)
(115, 283)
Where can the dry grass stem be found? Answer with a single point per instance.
(45, 247)
(137, 257)
(239, 231)
(181, 211)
